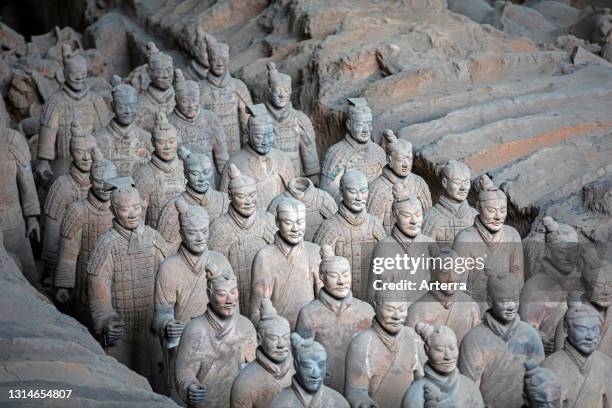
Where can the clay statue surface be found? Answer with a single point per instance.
(198, 68)
(352, 232)
(162, 178)
(199, 191)
(307, 388)
(226, 96)
(335, 317)
(398, 171)
(121, 284)
(452, 212)
(320, 205)
(382, 361)
(122, 141)
(356, 151)
(159, 95)
(214, 346)
(241, 232)
(493, 353)
(446, 306)
(269, 167)
(294, 134)
(271, 371)
(442, 379)
(542, 388)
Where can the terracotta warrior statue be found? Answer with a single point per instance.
(542, 388)
(214, 346)
(19, 206)
(441, 376)
(382, 361)
(335, 317)
(198, 68)
(584, 372)
(121, 284)
(271, 371)
(124, 142)
(159, 95)
(241, 232)
(287, 271)
(492, 354)
(180, 284)
(162, 178)
(356, 151)
(307, 388)
(73, 101)
(85, 221)
(445, 305)
(398, 171)
(269, 167)
(295, 135)
(544, 297)
(500, 245)
(198, 173)
(65, 190)
(225, 95)
(405, 239)
(320, 205)
(352, 232)
(198, 129)
(451, 213)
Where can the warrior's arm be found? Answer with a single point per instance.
(165, 298)
(471, 363)
(244, 99)
(308, 149)
(49, 124)
(144, 186)
(188, 359)
(516, 261)
(99, 281)
(262, 285)
(303, 326)
(424, 196)
(219, 145)
(25, 184)
(224, 182)
(69, 249)
(357, 379)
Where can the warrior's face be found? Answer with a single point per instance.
(161, 74)
(583, 333)
(188, 102)
(505, 310)
(359, 126)
(99, 189)
(310, 370)
(409, 217)
(354, 190)
(224, 297)
(127, 208)
(244, 200)
(280, 94)
(337, 280)
(443, 353)
(125, 109)
(81, 157)
(275, 341)
(261, 137)
(563, 255)
(218, 62)
(400, 161)
(599, 289)
(456, 183)
(291, 223)
(493, 213)
(391, 315)
(198, 176)
(165, 146)
(195, 238)
(75, 75)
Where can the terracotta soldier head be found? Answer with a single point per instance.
(335, 273)
(310, 360)
(160, 67)
(261, 129)
(102, 171)
(125, 203)
(187, 95)
(561, 245)
(359, 120)
(218, 57)
(354, 190)
(164, 138)
(455, 180)
(193, 221)
(391, 310)
(81, 145)
(441, 271)
(242, 192)
(399, 154)
(440, 346)
(492, 205)
(279, 86)
(125, 99)
(597, 282)
(503, 296)
(273, 333)
(75, 69)
(542, 387)
(200, 48)
(582, 323)
(198, 170)
(222, 289)
(291, 220)
(407, 211)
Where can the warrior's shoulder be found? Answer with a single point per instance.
(326, 203)
(50, 107)
(102, 251)
(18, 146)
(73, 219)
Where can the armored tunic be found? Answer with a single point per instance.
(18, 198)
(211, 353)
(333, 323)
(202, 134)
(446, 218)
(294, 135)
(369, 158)
(151, 101)
(228, 98)
(297, 396)
(127, 147)
(320, 206)
(382, 366)
(214, 202)
(271, 172)
(239, 239)
(158, 182)
(380, 199)
(352, 236)
(287, 275)
(56, 117)
(84, 223)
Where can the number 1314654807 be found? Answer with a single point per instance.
(39, 394)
